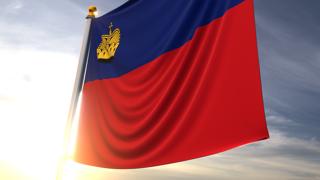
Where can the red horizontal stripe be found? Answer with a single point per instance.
(200, 99)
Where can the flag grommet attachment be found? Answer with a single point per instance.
(92, 11)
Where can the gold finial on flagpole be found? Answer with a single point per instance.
(92, 12)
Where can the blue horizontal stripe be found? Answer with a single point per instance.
(148, 29)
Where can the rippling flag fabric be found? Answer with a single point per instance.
(182, 81)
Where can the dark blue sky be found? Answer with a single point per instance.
(289, 41)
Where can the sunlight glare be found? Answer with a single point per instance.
(34, 98)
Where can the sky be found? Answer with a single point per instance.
(39, 48)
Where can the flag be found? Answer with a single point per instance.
(168, 81)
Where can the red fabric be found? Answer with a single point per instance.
(202, 98)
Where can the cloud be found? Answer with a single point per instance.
(279, 120)
(37, 26)
(13, 7)
(290, 65)
(46, 25)
(280, 157)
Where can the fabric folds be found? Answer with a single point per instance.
(197, 99)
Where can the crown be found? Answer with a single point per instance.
(109, 44)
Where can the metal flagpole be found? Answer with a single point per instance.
(76, 90)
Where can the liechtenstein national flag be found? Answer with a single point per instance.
(168, 81)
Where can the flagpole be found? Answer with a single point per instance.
(77, 88)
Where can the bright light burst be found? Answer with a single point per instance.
(35, 94)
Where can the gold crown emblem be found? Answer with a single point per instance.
(109, 44)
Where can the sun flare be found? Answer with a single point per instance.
(33, 111)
